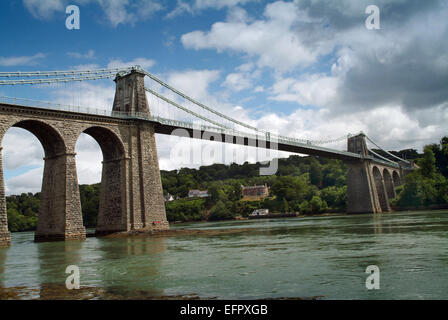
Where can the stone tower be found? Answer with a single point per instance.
(366, 189)
(132, 184)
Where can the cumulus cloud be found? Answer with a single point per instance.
(195, 82)
(271, 40)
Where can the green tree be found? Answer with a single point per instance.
(316, 174)
(220, 212)
(428, 163)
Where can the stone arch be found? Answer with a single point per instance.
(396, 178)
(110, 143)
(113, 201)
(389, 184)
(380, 189)
(59, 214)
(50, 138)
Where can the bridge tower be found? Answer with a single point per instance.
(131, 194)
(367, 190)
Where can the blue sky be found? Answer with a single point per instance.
(305, 68)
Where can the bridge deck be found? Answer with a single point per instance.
(169, 126)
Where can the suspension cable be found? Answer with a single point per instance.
(387, 152)
(381, 157)
(185, 109)
(56, 80)
(60, 73)
(198, 103)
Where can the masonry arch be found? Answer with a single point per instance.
(389, 184)
(396, 178)
(54, 220)
(380, 189)
(112, 194)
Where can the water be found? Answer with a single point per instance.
(290, 257)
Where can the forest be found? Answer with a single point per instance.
(304, 185)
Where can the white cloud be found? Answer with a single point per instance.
(193, 82)
(116, 11)
(237, 81)
(273, 39)
(243, 78)
(196, 6)
(309, 90)
(127, 11)
(30, 181)
(94, 96)
(21, 60)
(77, 55)
(21, 148)
(44, 9)
(142, 62)
(88, 160)
(90, 66)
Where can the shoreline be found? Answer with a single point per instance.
(270, 216)
(60, 292)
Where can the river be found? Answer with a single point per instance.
(324, 256)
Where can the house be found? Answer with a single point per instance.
(198, 193)
(168, 197)
(255, 191)
(260, 212)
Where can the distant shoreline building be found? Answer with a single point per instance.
(258, 192)
(197, 194)
(168, 197)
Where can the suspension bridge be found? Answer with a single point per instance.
(131, 193)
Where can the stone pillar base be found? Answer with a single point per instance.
(160, 226)
(100, 233)
(5, 239)
(81, 235)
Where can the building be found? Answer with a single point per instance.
(197, 194)
(255, 191)
(259, 212)
(168, 197)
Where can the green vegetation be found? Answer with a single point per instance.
(22, 211)
(302, 185)
(429, 184)
(305, 185)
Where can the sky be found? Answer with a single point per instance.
(304, 68)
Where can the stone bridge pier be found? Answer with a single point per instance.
(370, 185)
(131, 195)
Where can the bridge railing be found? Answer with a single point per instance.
(260, 136)
(53, 106)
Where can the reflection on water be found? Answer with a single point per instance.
(290, 257)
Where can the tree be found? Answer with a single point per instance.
(316, 174)
(285, 205)
(428, 163)
(220, 212)
(316, 204)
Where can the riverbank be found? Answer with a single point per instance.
(60, 292)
